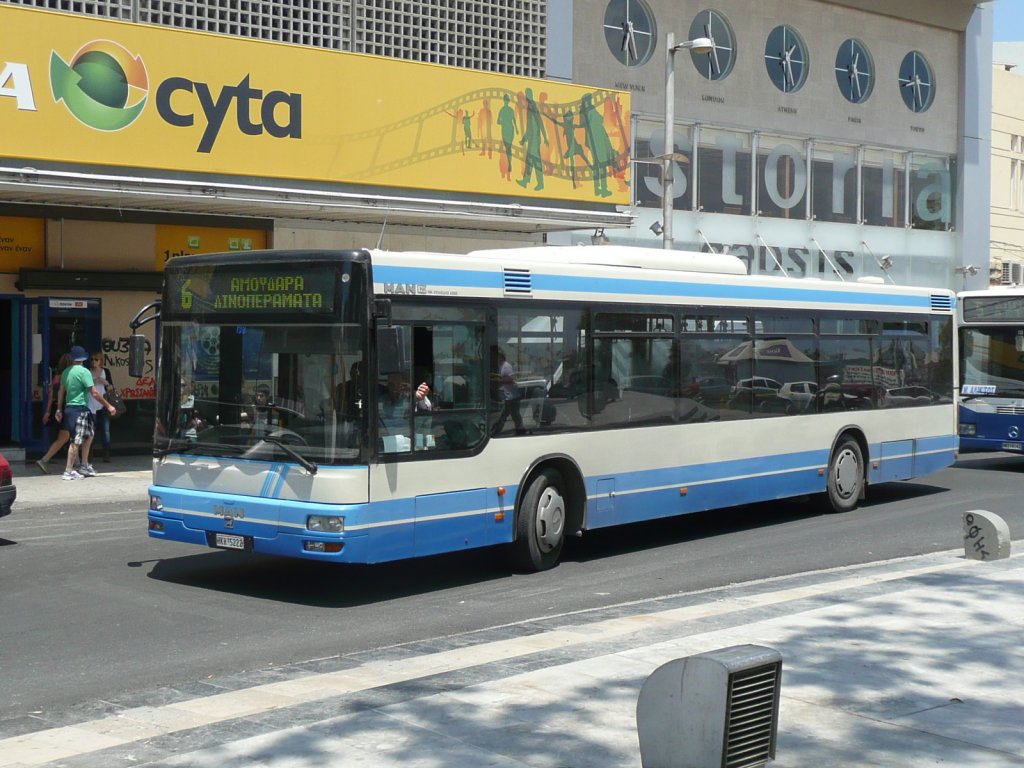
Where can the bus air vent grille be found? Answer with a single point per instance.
(942, 303)
(1010, 410)
(518, 282)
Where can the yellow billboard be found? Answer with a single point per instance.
(85, 90)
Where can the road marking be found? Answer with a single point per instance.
(145, 722)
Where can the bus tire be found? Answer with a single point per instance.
(845, 475)
(540, 525)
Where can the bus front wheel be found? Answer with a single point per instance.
(845, 475)
(540, 526)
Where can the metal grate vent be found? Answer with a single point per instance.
(750, 727)
(940, 302)
(518, 282)
(1011, 410)
(1013, 273)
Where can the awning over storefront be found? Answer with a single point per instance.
(30, 185)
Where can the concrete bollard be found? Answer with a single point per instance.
(986, 536)
(713, 709)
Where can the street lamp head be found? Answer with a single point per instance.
(698, 45)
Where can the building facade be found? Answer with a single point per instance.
(1007, 236)
(833, 140)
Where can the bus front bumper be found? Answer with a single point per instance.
(341, 548)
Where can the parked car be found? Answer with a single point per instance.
(758, 385)
(651, 384)
(755, 391)
(901, 397)
(7, 490)
(710, 389)
(800, 393)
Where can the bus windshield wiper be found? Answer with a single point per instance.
(308, 465)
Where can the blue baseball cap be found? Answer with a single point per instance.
(78, 354)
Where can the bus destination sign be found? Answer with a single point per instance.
(262, 291)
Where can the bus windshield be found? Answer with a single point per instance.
(264, 365)
(990, 362)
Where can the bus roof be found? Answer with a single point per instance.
(622, 256)
(629, 274)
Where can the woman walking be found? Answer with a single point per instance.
(49, 415)
(103, 381)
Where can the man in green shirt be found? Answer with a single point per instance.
(73, 412)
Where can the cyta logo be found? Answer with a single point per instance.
(104, 85)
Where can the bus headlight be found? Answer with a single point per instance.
(156, 503)
(325, 523)
(968, 430)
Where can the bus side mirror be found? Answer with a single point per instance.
(393, 349)
(136, 355)
(382, 311)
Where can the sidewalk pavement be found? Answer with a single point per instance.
(124, 478)
(903, 663)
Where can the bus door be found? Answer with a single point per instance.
(49, 328)
(444, 348)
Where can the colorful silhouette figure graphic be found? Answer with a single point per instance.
(602, 155)
(572, 147)
(483, 129)
(463, 117)
(619, 138)
(548, 151)
(509, 129)
(467, 129)
(534, 136)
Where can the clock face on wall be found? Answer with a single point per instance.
(629, 31)
(855, 71)
(917, 82)
(786, 58)
(717, 63)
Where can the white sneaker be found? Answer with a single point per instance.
(71, 475)
(86, 470)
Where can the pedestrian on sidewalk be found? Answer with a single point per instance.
(103, 381)
(50, 415)
(73, 411)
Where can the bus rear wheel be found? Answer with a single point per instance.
(540, 526)
(845, 475)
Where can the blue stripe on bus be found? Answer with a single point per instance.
(283, 469)
(268, 480)
(390, 528)
(624, 285)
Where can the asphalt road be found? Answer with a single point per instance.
(91, 608)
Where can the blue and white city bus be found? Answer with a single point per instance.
(991, 330)
(568, 389)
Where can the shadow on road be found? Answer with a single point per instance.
(1000, 462)
(332, 585)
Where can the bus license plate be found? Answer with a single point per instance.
(227, 541)
(1013, 446)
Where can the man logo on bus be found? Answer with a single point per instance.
(104, 86)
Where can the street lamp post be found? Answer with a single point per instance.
(700, 45)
